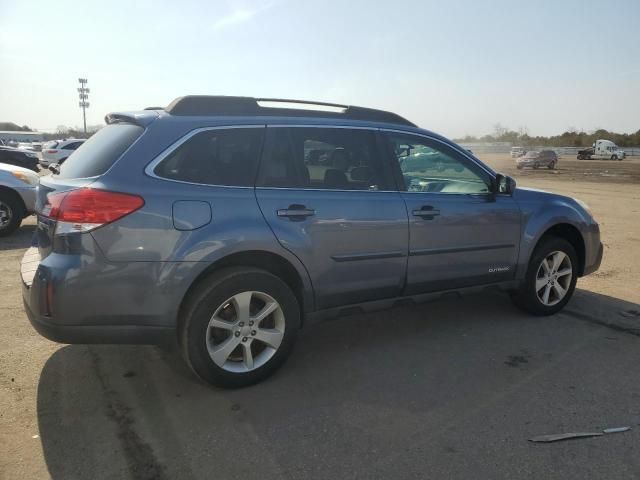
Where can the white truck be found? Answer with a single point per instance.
(602, 150)
(517, 152)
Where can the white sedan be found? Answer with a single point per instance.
(57, 151)
(17, 196)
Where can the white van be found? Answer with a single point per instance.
(517, 152)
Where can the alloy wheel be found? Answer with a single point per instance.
(553, 278)
(6, 214)
(245, 331)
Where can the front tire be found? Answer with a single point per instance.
(11, 213)
(550, 279)
(238, 326)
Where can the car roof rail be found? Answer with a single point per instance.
(220, 105)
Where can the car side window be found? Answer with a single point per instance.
(215, 157)
(322, 158)
(430, 166)
(71, 146)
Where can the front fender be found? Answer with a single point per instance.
(542, 211)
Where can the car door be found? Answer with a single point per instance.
(460, 233)
(331, 200)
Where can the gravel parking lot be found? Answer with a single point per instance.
(449, 389)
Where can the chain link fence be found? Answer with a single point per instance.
(503, 147)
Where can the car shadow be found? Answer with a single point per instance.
(21, 238)
(137, 411)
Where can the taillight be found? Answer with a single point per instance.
(86, 209)
(50, 151)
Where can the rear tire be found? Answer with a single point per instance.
(222, 346)
(555, 282)
(11, 213)
(552, 166)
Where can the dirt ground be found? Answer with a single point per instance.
(360, 404)
(612, 191)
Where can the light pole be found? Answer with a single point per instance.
(83, 94)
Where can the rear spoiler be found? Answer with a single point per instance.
(142, 119)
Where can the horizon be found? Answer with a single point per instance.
(457, 71)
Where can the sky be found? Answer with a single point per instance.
(456, 67)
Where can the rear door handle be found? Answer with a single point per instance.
(296, 212)
(427, 212)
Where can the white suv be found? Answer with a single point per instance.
(57, 151)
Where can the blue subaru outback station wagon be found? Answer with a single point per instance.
(227, 223)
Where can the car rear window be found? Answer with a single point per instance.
(215, 157)
(95, 156)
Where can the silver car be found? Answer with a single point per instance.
(537, 159)
(17, 196)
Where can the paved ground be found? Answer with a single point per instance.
(449, 389)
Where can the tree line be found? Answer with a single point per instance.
(62, 131)
(570, 138)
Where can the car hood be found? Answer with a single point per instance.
(527, 194)
(532, 199)
(11, 149)
(12, 168)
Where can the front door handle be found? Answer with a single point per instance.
(296, 212)
(427, 212)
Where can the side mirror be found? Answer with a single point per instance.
(504, 184)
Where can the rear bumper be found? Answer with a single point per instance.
(98, 334)
(64, 303)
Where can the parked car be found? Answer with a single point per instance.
(19, 158)
(211, 223)
(537, 159)
(517, 152)
(58, 151)
(25, 146)
(35, 146)
(17, 196)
